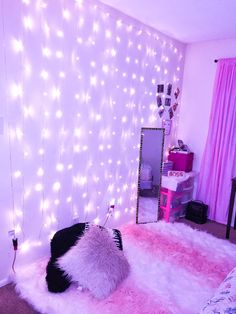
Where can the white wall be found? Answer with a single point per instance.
(198, 81)
(72, 114)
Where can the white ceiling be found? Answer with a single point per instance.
(185, 20)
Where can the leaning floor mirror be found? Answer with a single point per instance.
(149, 177)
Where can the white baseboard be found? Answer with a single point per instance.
(5, 281)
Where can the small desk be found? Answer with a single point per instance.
(231, 207)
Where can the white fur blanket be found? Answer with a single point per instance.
(174, 270)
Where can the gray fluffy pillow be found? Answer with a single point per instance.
(95, 263)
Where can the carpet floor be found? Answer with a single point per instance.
(11, 303)
(174, 270)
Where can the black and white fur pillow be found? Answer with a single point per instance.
(57, 279)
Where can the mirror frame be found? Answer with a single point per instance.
(139, 169)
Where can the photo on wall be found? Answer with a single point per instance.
(167, 101)
(160, 88)
(169, 89)
(176, 93)
(166, 124)
(161, 112)
(171, 113)
(159, 101)
(175, 106)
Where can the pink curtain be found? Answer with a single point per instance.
(218, 164)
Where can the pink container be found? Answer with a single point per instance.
(170, 205)
(181, 161)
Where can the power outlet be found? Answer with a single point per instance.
(11, 233)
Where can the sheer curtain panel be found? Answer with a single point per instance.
(218, 164)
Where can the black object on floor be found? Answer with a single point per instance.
(231, 207)
(196, 211)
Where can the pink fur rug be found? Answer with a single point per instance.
(174, 270)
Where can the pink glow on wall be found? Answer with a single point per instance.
(78, 83)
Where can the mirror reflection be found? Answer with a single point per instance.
(150, 171)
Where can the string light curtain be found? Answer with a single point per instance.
(80, 81)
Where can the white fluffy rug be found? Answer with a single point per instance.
(174, 270)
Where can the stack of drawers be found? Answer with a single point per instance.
(175, 194)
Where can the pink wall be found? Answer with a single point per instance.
(77, 82)
(199, 74)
